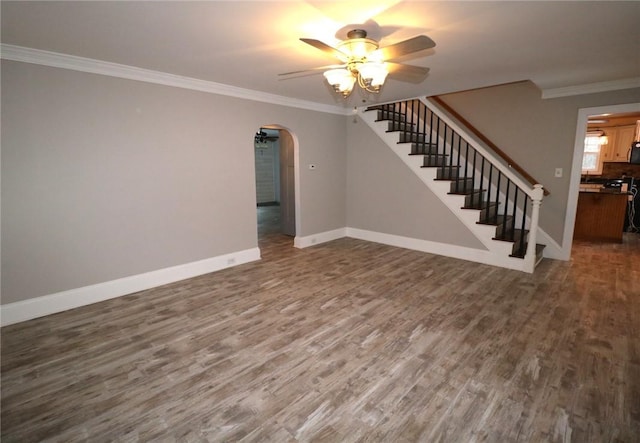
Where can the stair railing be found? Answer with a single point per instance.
(474, 170)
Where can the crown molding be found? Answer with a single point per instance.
(82, 64)
(592, 88)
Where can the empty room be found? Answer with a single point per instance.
(296, 221)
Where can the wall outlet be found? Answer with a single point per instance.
(558, 173)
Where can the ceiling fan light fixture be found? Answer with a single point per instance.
(364, 61)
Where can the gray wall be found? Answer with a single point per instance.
(538, 134)
(384, 196)
(104, 178)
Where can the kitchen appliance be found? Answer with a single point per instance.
(634, 158)
(627, 185)
(617, 184)
(632, 220)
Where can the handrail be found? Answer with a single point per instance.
(510, 162)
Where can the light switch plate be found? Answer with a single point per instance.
(558, 173)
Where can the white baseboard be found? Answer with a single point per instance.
(445, 249)
(321, 237)
(50, 304)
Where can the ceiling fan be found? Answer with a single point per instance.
(365, 62)
(262, 137)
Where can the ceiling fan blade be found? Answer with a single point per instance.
(407, 73)
(415, 44)
(319, 68)
(324, 47)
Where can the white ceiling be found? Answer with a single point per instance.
(247, 43)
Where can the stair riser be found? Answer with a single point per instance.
(389, 115)
(431, 161)
(461, 185)
(473, 200)
(448, 173)
(424, 148)
(400, 126)
(506, 233)
(412, 137)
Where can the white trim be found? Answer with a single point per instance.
(50, 304)
(321, 237)
(444, 249)
(296, 172)
(592, 88)
(82, 64)
(576, 166)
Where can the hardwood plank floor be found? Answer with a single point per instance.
(346, 341)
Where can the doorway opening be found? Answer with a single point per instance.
(608, 168)
(275, 151)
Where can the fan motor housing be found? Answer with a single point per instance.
(358, 47)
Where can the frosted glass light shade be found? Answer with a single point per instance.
(341, 80)
(373, 73)
(346, 85)
(336, 76)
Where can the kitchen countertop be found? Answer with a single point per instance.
(598, 188)
(603, 191)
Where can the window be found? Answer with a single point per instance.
(591, 158)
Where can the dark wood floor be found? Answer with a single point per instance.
(345, 341)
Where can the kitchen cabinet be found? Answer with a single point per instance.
(600, 216)
(620, 139)
(624, 138)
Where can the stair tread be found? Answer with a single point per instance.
(424, 144)
(522, 253)
(495, 221)
(511, 235)
(463, 192)
(452, 179)
(479, 206)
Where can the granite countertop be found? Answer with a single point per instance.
(598, 189)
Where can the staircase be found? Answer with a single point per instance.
(494, 202)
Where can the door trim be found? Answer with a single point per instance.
(296, 173)
(576, 167)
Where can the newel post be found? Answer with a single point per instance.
(536, 201)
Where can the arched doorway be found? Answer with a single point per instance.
(276, 177)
